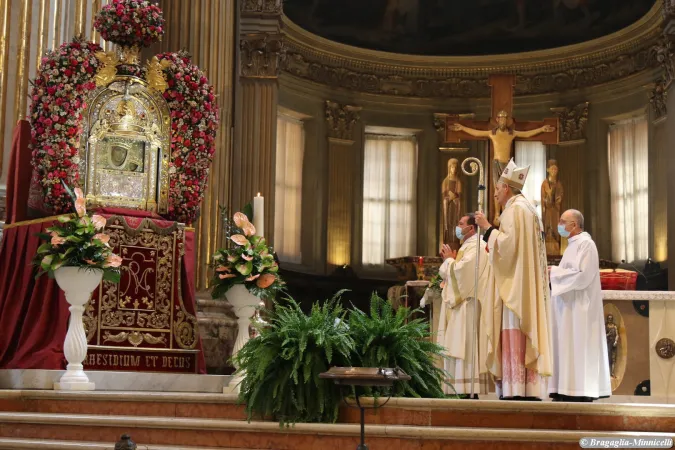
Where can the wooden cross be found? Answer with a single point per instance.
(502, 100)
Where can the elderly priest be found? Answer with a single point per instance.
(516, 310)
(580, 366)
(459, 310)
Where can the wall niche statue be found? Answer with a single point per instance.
(451, 204)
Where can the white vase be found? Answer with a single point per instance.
(244, 304)
(77, 285)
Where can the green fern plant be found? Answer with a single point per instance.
(282, 365)
(389, 338)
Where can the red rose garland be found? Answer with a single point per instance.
(64, 79)
(194, 120)
(130, 22)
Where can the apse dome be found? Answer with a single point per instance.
(464, 28)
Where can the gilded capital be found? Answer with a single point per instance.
(261, 55)
(341, 119)
(657, 99)
(662, 53)
(273, 7)
(573, 122)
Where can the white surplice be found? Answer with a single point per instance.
(580, 364)
(456, 318)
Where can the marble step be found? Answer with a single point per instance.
(41, 444)
(398, 411)
(163, 432)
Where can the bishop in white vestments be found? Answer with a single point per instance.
(461, 308)
(517, 306)
(580, 364)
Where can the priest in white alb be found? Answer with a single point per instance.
(580, 363)
(461, 308)
(517, 306)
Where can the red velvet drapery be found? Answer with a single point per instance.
(19, 175)
(34, 313)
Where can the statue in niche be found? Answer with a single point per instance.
(451, 196)
(551, 207)
(612, 333)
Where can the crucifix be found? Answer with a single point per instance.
(500, 130)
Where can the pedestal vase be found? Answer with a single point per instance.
(244, 305)
(77, 285)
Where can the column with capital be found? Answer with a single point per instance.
(341, 123)
(259, 59)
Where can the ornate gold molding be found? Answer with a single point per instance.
(662, 53)
(596, 62)
(658, 98)
(262, 7)
(261, 55)
(573, 122)
(341, 120)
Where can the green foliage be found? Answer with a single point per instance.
(388, 338)
(282, 365)
(247, 260)
(435, 283)
(77, 240)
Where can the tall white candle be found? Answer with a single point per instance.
(259, 214)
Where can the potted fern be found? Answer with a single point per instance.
(77, 254)
(245, 273)
(283, 363)
(393, 338)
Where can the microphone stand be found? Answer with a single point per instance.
(476, 167)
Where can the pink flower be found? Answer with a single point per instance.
(252, 277)
(113, 261)
(80, 203)
(98, 221)
(247, 258)
(56, 239)
(104, 238)
(90, 262)
(239, 239)
(266, 280)
(223, 276)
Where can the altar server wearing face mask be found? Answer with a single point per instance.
(580, 363)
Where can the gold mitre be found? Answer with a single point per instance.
(514, 176)
(503, 113)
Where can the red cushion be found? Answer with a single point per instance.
(618, 281)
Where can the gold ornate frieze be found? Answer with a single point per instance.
(592, 63)
(341, 120)
(572, 122)
(272, 7)
(261, 55)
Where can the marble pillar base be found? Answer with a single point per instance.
(116, 381)
(218, 329)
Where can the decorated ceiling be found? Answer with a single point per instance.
(464, 27)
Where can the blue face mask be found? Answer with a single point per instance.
(562, 231)
(458, 233)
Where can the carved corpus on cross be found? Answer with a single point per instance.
(501, 129)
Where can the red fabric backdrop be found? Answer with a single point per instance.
(34, 314)
(20, 172)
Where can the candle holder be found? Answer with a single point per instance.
(364, 376)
